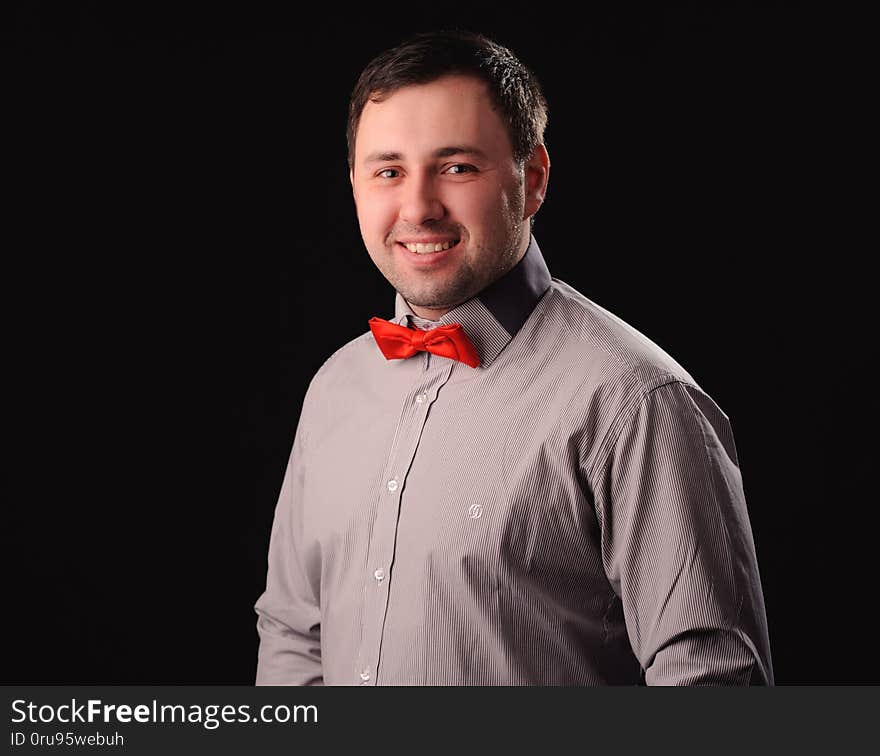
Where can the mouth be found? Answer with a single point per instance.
(429, 248)
(428, 256)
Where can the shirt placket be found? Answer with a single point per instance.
(380, 556)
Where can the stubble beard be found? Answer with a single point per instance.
(470, 278)
(467, 281)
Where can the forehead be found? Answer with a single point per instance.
(420, 118)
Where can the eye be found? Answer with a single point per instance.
(467, 169)
(386, 170)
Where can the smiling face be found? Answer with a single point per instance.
(433, 167)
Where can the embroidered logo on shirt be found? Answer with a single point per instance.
(475, 511)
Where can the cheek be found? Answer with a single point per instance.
(375, 211)
(481, 204)
(499, 208)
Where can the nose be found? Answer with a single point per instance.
(420, 200)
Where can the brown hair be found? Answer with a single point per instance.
(425, 57)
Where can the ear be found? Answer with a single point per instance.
(351, 181)
(537, 176)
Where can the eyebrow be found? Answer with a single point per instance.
(383, 157)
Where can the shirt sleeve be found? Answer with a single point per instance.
(289, 616)
(677, 544)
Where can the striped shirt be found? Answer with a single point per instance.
(570, 512)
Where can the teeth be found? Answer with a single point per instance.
(424, 249)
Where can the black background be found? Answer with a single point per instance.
(179, 225)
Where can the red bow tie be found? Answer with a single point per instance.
(398, 342)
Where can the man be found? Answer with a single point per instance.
(506, 484)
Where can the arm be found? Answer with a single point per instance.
(289, 623)
(677, 544)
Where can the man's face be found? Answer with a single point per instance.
(433, 165)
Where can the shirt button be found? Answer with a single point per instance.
(365, 675)
(379, 574)
(392, 485)
(422, 398)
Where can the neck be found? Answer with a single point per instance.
(428, 314)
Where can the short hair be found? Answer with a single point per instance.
(515, 92)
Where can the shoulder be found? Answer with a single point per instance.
(619, 370)
(335, 374)
(606, 347)
(330, 381)
(346, 361)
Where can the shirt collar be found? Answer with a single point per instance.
(495, 315)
